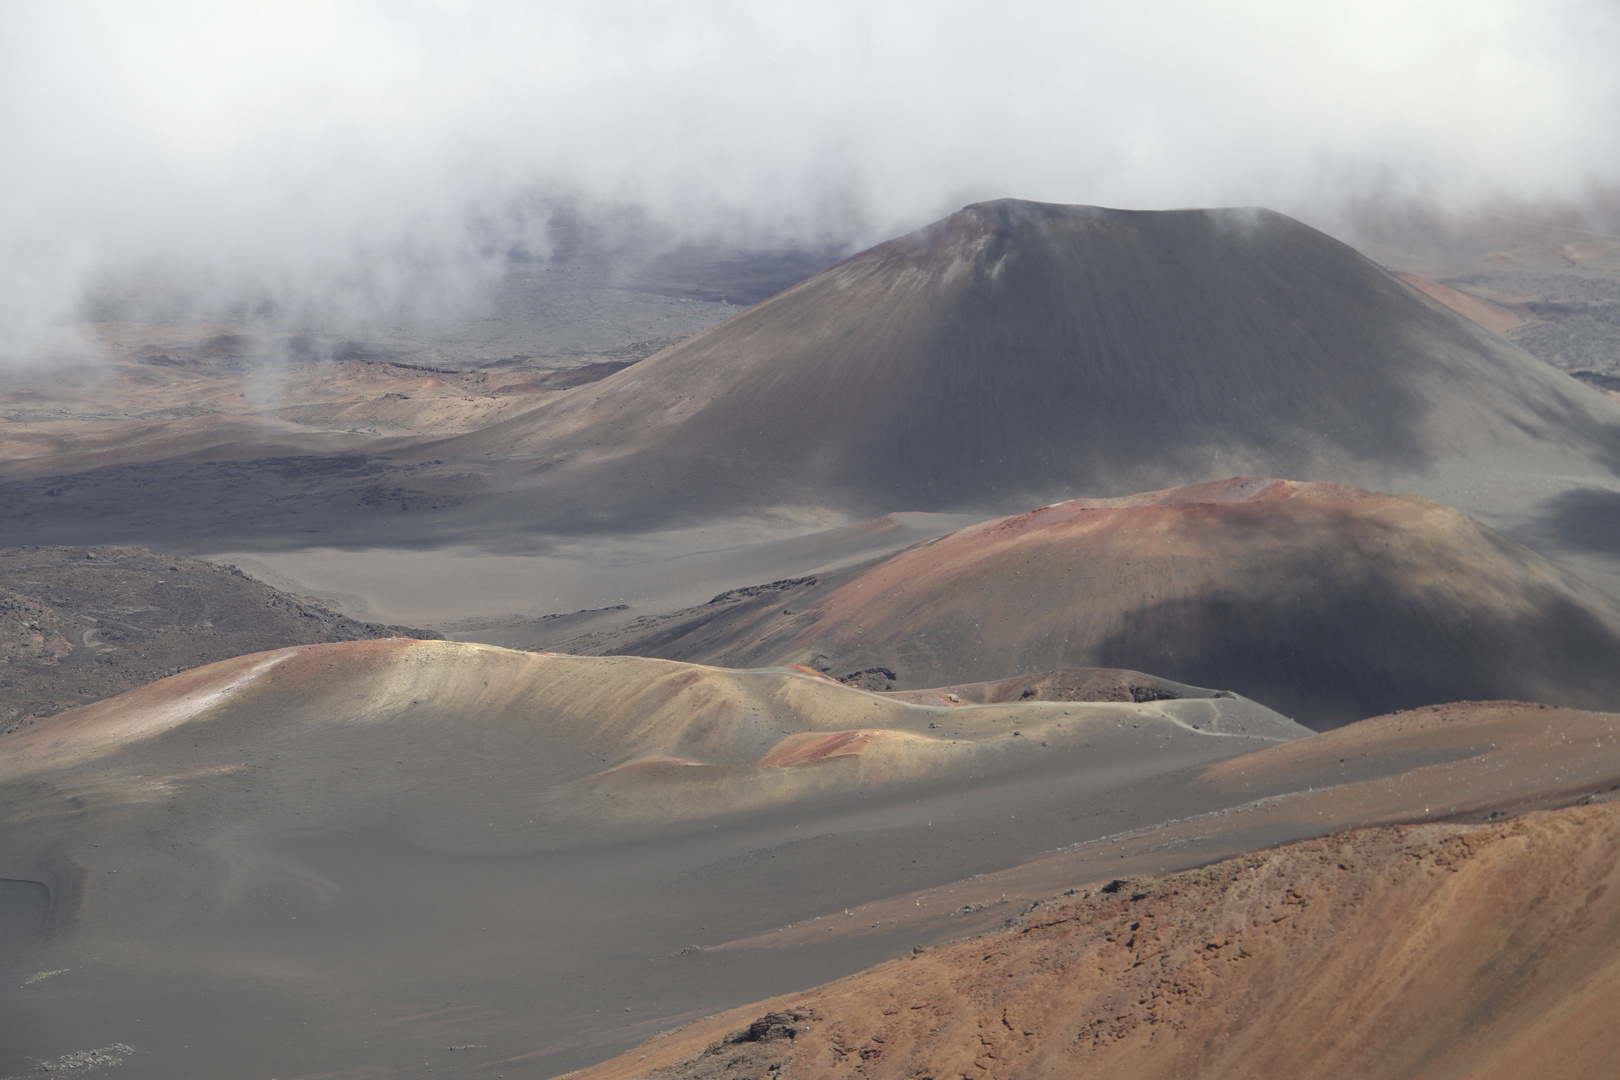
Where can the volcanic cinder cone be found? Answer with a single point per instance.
(1017, 352)
(1322, 601)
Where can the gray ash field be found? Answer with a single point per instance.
(1577, 324)
(411, 858)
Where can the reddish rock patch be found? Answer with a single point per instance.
(811, 746)
(1493, 317)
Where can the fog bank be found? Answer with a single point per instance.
(347, 162)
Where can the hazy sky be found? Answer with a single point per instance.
(343, 157)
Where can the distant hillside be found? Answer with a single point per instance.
(81, 624)
(1017, 352)
(1322, 601)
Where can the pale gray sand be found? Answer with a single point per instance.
(466, 589)
(369, 854)
(346, 868)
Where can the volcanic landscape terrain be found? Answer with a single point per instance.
(82, 624)
(1324, 601)
(1169, 643)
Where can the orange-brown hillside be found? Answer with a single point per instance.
(1418, 952)
(1493, 317)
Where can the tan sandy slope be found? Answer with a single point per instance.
(668, 742)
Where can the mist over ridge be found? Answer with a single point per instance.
(359, 164)
(526, 525)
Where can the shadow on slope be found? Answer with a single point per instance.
(1585, 519)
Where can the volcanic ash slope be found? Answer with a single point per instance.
(278, 858)
(671, 743)
(1439, 951)
(1017, 352)
(1324, 602)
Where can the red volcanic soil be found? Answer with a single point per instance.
(822, 746)
(1493, 317)
(1487, 951)
(1322, 601)
(1075, 684)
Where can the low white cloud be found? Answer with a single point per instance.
(341, 160)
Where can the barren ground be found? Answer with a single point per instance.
(1484, 951)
